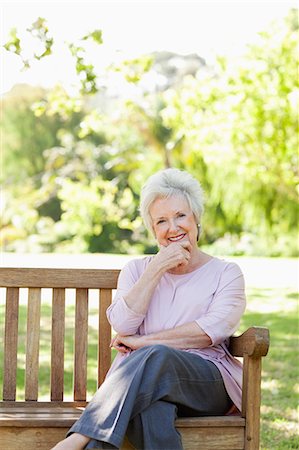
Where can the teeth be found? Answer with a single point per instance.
(177, 238)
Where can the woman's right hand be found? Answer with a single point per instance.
(139, 296)
(174, 255)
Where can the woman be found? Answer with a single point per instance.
(173, 313)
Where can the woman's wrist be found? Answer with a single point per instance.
(155, 271)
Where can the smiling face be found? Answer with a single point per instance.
(173, 221)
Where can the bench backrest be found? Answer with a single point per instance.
(58, 280)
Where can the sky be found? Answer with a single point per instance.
(132, 28)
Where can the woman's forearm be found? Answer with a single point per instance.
(139, 296)
(185, 336)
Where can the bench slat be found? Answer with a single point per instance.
(206, 433)
(32, 344)
(57, 347)
(11, 343)
(45, 438)
(59, 278)
(63, 416)
(81, 334)
(104, 351)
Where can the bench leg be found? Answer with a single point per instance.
(252, 368)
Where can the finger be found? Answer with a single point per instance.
(121, 349)
(186, 245)
(124, 348)
(112, 342)
(183, 264)
(188, 257)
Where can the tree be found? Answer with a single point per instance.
(240, 122)
(234, 126)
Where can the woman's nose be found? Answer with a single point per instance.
(173, 226)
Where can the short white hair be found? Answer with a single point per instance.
(169, 182)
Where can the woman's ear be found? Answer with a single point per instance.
(198, 231)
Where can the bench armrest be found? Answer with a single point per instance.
(253, 342)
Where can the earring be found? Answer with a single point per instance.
(198, 232)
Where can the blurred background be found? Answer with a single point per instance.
(98, 96)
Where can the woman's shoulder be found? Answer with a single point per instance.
(138, 265)
(222, 265)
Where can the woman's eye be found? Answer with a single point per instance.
(182, 215)
(160, 221)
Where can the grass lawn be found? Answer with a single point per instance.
(277, 309)
(270, 304)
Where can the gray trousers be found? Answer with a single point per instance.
(146, 393)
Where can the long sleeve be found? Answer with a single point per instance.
(227, 306)
(121, 317)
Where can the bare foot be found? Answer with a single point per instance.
(75, 441)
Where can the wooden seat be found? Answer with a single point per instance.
(40, 426)
(37, 424)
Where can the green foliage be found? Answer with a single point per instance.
(26, 133)
(59, 103)
(76, 160)
(84, 71)
(40, 30)
(24, 137)
(13, 44)
(241, 123)
(134, 69)
(95, 35)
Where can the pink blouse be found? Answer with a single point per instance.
(212, 295)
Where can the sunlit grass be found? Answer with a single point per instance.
(277, 309)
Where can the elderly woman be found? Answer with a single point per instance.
(173, 313)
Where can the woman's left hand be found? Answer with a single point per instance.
(125, 344)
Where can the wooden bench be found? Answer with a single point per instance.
(34, 424)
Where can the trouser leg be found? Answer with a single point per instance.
(148, 375)
(154, 428)
(94, 443)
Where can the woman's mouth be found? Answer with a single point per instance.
(177, 238)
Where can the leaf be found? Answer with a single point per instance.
(96, 36)
(13, 44)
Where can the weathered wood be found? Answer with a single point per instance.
(11, 343)
(251, 401)
(196, 438)
(33, 424)
(59, 278)
(52, 416)
(104, 351)
(81, 335)
(32, 344)
(225, 433)
(217, 438)
(254, 342)
(57, 344)
(210, 422)
(31, 438)
(40, 405)
(62, 414)
(36, 438)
